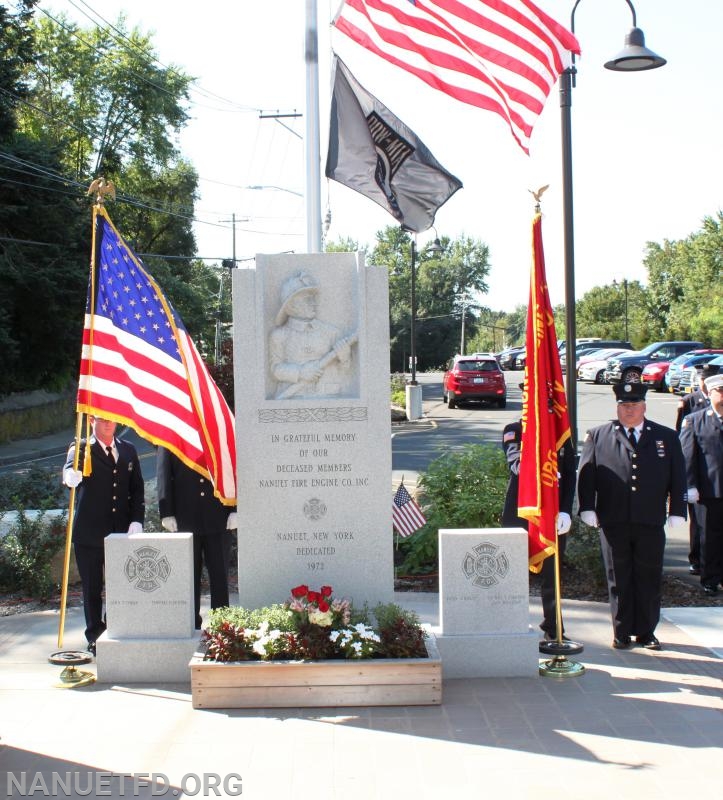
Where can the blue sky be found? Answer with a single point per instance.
(646, 147)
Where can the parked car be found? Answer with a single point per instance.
(628, 368)
(470, 378)
(592, 366)
(578, 354)
(581, 344)
(506, 358)
(653, 375)
(693, 359)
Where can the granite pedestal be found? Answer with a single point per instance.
(484, 604)
(150, 632)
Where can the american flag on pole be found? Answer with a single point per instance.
(406, 514)
(139, 366)
(498, 55)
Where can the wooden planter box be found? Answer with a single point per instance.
(293, 684)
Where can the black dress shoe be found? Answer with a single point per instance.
(648, 642)
(694, 569)
(710, 590)
(621, 644)
(91, 648)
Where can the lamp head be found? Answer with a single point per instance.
(435, 247)
(635, 56)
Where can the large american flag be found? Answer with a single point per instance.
(406, 514)
(498, 55)
(139, 366)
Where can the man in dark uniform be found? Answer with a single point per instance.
(701, 438)
(511, 444)
(109, 500)
(632, 474)
(695, 401)
(186, 502)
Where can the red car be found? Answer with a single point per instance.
(653, 375)
(474, 378)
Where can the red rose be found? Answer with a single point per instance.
(325, 591)
(323, 605)
(313, 597)
(300, 591)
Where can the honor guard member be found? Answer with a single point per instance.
(702, 440)
(109, 500)
(511, 444)
(695, 401)
(632, 475)
(186, 502)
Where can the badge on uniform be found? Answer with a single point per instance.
(660, 446)
(130, 466)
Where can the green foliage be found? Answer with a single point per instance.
(583, 552)
(398, 383)
(461, 489)
(26, 552)
(444, 283)
(277, 615)
(400, 633)
(34, 488)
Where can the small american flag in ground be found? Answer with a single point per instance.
(139, 366)
(406, 514)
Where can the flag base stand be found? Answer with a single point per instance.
(71, 677)
(560, 666)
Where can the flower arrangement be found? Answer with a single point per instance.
(312, 625)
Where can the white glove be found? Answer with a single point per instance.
(232, 521)
(170, 524)
(563, 523)
(135, 527)
(72, 477)
(590, 518)
(693, 495)
(676, 522)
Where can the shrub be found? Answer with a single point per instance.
(398, 383)
(32, 488)
(461, 489)
(583, 552)
(26, 552)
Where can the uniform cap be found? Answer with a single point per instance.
(714, 382)
(630, 392)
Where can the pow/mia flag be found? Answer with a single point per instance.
(377, 155)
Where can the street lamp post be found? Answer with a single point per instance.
(413, 317)
(625, 295)
(634, 57)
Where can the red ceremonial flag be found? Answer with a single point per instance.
(139, 366)
(498, 55)
(406, 514)
(545, 422)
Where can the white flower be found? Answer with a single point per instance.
(323, 618)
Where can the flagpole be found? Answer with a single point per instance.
(69, 533)
(313, 146)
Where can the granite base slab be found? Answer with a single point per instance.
(490, 655)
(144, 660)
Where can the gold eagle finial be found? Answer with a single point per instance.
(538, 194)
(102, 188)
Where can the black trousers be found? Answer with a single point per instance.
(213, 550)
(91, 567)
(695, 532)
(547, 590)
(633, 558)
(710, 515)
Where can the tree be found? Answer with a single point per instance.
(445, 283)
(16, 54)
(602, 311)
(103, 97)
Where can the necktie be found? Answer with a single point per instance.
(631, 436)
(109, 450)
